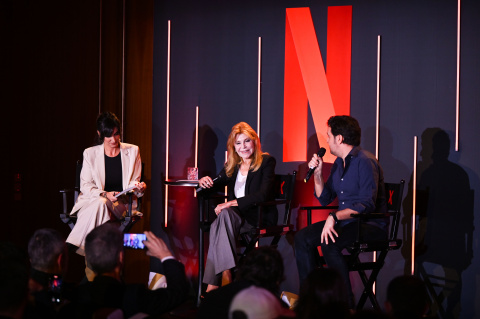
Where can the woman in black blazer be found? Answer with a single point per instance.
(250, 176)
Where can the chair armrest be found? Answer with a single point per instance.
(317, 207)
(67, 190)
(310, 208)
(271, 203)
(372, 215)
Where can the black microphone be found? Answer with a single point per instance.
(213, 180)
(320, 153)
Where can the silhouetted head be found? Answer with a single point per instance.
(263, 267)
(46, 249)
(407, 295)
(104, 248)
(322, 295)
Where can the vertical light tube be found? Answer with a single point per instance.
(377, 130)
(123, 70)
(377, 125)
(457, 98)
(259, 85)
(100, 62)
(414, 213)
(196, 145)
(167, 145)
(196, 136)
(226, 192)
(259, 89)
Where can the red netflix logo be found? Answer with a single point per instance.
(306, 81)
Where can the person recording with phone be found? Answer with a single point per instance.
(356, 179)
(249, 175)
(108, 168)
(104, 253)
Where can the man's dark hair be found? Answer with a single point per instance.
(263, 267)
(407, 295)
(106, 124)
(346, 126)
(44, 248)
(103, 246)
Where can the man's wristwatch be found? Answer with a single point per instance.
(334, 216)
(104, 194)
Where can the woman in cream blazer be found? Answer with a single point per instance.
(101, 179)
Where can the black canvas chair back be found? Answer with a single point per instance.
(125, 224)
(284, 190)
(394, 192)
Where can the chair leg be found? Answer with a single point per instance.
(275, 241)
(368, 283)
(249, 247)
(435, 298)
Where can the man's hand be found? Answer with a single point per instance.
(328, 230)
(317, 163)
(156, 246)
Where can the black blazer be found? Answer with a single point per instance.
(259, 187)
(107, 292)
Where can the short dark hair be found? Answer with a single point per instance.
(407, 295)
(346, 126)
(103, 246)
(44, 248)
(263, 267)
(106, 124)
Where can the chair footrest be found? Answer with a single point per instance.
(272, 230)
(376, 245)
(365, 266)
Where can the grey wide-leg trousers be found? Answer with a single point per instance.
(222, 249)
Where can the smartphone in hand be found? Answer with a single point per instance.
(134, 241)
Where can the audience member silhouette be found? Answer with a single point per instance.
(262, 267)
(322, 295)
(48, 259)
(104, 255)
(257, 303)
(13, 282)
(406, 298)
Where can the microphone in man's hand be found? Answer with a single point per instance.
(320, 153)
(199, 189)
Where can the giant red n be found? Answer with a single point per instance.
(307, 82)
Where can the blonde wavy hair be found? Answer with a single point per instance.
(233, 159)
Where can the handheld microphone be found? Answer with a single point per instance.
(320, 153)
(199, 189)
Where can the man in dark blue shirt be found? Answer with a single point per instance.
(356, 179)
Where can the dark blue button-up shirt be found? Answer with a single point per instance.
(359, 186)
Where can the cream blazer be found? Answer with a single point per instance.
(92, 176)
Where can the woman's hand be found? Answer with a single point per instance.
(221, 206)
(141, 187)
(111, 196)
(205, 182)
